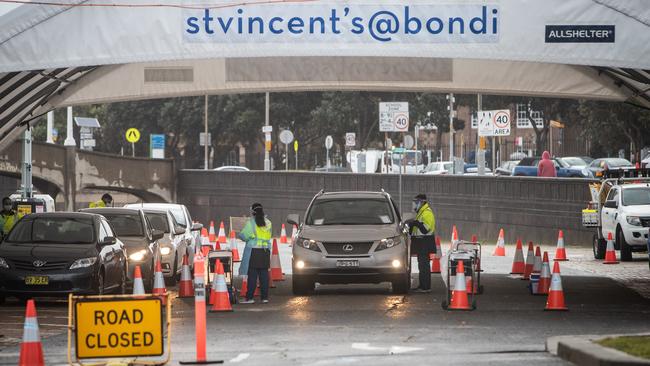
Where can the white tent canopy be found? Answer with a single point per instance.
(101, 51)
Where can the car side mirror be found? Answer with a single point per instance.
(109, 240)
(197, 227)
(293, 219)
(157, 234)
(611, 204)
(179, 230)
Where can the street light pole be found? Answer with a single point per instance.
(205, 128)
(451, 126)
(267, 157)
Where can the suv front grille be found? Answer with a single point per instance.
(340, 248)
(645, 221)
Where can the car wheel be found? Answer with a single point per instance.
(100, 283)
(626, 250)
(599, 246)
(402, 285)
(301, 285)
(171, 280)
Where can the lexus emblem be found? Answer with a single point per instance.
(348, 248)
(39, 264)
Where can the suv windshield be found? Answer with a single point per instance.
(53, 230)
(350, 211)
(158, 221)
(636, 196)
(179, 216)
(126, 225)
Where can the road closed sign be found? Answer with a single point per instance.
(120, 328)
(393, 117)
(494, 123)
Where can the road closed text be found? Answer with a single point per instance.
(119, 328)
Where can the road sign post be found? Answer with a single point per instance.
(286, 137)
(329, 142)
(132, 135)
(295, 149)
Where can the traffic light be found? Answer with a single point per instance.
(459, 124)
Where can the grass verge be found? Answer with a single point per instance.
(638, 346)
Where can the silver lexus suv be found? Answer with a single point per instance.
(351, 237)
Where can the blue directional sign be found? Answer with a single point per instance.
(157, 146)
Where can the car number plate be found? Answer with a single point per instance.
(37, 280)
(347, 263)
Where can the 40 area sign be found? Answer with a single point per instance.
(494, 123)
(394, 117)
(119, 328)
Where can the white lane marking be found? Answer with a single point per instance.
(240, 357)
(392, 350)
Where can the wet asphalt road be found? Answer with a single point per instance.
(367, 324)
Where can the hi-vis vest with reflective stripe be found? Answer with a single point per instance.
(97, 204)
(263, 235)
(425, 216)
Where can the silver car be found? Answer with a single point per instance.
(351, 237)
(173, 244)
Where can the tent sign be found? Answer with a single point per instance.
(494, 123)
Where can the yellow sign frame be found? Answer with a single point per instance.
(165, 322)
(128, 133)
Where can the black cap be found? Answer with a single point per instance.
(421, 197)
(107, 197)
(256, 206)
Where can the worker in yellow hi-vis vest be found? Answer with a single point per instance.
(256, 259)
(106, 201)
(424, 227)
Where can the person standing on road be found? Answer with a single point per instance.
(256, 259)
(424, 226)
(546, 168)
(8, 217)
(106, 201)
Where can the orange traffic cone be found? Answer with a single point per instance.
(186, 286)
(459, 299)
(31, 350)
(537, 264)
(244, 287)
(435, 257)
(530, 262)
(138, 285)
(213, 286)
(544, 277)
(555, 300)
(206, 247)
(454, 238)
(560, 252)
(276, 267)
(500, 249)
(159, 283)
(212, 236)
(610, 254)
(271, 283)
(220, 290)
(294, 232)
(233, 247)
(518, 264)
(222, 235)
(283, 235)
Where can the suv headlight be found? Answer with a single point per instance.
(138, 256)
(387, 243)
(83, 263)
(633, 220)
(3, 263)
(309, 244)
(165, 250)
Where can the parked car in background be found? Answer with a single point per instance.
(182, 217)
(506, 167)
(57, 253)
(232, 168)
(438, 168)
(473, 170)
(173, 244)
(575, 162)
(598, 165)
(527, 167)
(133, 229)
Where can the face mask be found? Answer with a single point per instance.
(416, 206)
(7, 207)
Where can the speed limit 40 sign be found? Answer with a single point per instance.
(494, 123)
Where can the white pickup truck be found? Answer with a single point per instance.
(624, 212)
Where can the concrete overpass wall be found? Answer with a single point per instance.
(530, 208)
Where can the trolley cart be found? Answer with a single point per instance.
(475, 248)
(469, 263)
(225, 256)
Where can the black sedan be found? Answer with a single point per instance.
(133, 228)
(53, 254)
